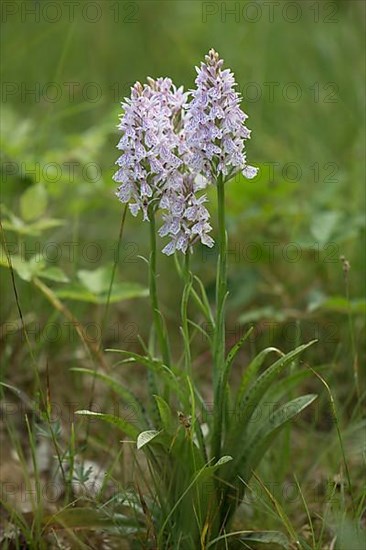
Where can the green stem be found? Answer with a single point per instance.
(221, 283)
(157, 316)
(219, 340)
(184, 312)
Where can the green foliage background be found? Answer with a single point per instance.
(288, 227)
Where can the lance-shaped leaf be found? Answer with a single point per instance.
(252, 369)
(233, 353)
(169, 375)
(125, 426)
(165, 413)
(262, 537)
(247, 405)
(260, 439)
(131, 401)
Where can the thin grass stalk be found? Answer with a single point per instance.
(339, 434)
(351, 331)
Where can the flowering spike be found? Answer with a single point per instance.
(148, 144)
(215, 130)
(172, 148)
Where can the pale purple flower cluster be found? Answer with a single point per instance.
(171, 148)
(151, 170)
(215, 130)
(186, 219)
(149, 161)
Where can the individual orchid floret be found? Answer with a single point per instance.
(186, 219)
(149, 145)
(214, 126)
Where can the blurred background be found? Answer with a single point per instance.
(65, 69)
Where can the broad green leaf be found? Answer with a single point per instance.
(77, 293)
(33, 202)
(96, 281)
(25, 269)
(35, 267)
(146, 437)
(45, 223)
(123, 425)
(14, 222)
(260, 439)
(32, 229)
(120, 292)
(284, 386)
(248, 403)
(93, 287)
(19, 266)
(252, 369)
(53, 274)
(125, 291)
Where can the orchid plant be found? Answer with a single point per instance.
(174, 145)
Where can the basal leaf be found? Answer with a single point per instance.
(260, 439)
(123, 425)
(129, 399)
(248, 403)
(233, 353)
(252, 369)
